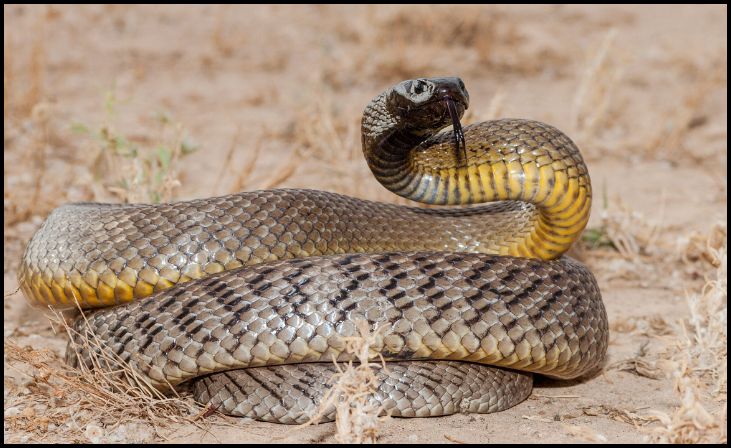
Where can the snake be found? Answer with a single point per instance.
(251, 296)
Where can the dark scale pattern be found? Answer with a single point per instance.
(298, 310)
(291, 394)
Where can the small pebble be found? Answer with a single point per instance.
(12, 412)
(94, 433)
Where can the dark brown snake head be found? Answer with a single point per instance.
(430, 104)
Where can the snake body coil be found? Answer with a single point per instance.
(283, 275)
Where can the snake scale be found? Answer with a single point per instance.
(251, 294)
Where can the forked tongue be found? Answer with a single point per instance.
(457, 127)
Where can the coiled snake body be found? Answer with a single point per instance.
(281, 276)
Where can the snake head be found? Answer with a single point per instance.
(426, 105)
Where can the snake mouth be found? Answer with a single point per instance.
(445, 108)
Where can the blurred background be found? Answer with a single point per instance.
(125, 103)
(226, 83)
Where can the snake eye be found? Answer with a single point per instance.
(418, 87)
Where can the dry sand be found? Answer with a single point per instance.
(272, 95)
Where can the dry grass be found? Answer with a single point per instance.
(695, 355)
(699, 360)
(109, 401)
(704, 341)
(627, 231)
(691, 422)
(692, 352)
(105, 402)
(356, 418)
(639, 365)
(706, 249)
(646, 250)
(621, 415)
(627, 245)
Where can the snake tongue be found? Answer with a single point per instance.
(457, 128)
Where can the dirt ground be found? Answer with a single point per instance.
(150, 103)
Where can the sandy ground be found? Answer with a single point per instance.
(272, 96)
